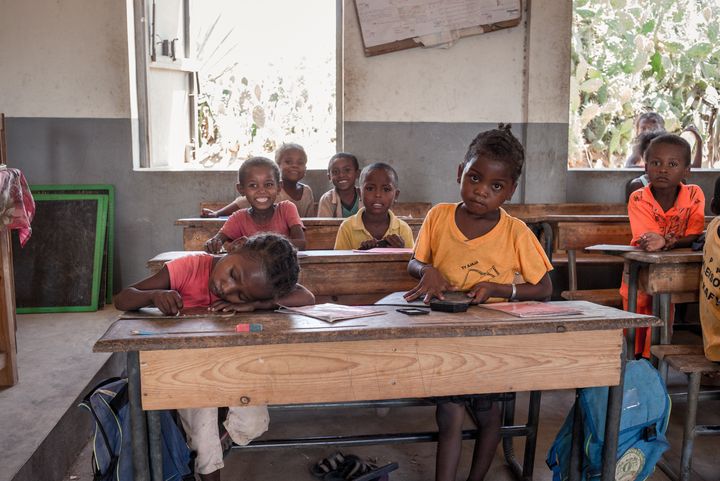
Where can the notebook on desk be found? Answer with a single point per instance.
(331, 312)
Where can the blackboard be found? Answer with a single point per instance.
(388, 26)
(60, 267)
(106, 285)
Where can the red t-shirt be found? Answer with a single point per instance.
(190, 276)
(242, 224)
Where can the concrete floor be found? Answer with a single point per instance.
(32, 413)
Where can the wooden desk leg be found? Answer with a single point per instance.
(665, 333)
(137, 420)
(632, 304)
(612, 423)
(572, 269)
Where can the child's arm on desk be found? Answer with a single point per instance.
(299, 296)
(297, 237)
(541, 291)
(214, 244)
(152, 291)
(432, 282)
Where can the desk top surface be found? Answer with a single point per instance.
(675, 256)
(307, 221)
(311, 256)
(279, 328)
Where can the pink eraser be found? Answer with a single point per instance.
(243, 327)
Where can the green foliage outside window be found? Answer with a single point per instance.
(634, 56)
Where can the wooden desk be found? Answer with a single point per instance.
(320, 232)
(664, 274)
(296, 359)
(342, 277)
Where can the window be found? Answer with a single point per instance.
(633, 56)
(230, 79)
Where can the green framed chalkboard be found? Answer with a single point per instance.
(60, 268)
(102, 189)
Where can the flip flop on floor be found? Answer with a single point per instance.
(331, 464)
(356, 469)
(376, 474)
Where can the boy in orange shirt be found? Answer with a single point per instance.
(666, 214)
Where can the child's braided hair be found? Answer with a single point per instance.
(498, 144)
(279, 260)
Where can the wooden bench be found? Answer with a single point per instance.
(573, 235)
(320, 232)
(689, 360)
(341, 277)
(402, 209)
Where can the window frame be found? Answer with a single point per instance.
(140, 60)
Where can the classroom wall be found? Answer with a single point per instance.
(65, 81)
(437, 100)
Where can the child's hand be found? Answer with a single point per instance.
(208, 213)
(169, 302)
(651, 242)
(214, 244)
(432, 284)
(670, 241)
(225, 306)
(368, 244)
(481, 292)
(693, 130)
(394, 240)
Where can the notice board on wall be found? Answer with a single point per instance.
(391, 25)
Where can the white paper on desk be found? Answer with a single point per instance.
(331, 312)
(612, 248)
(528, 309)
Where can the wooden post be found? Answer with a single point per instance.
(8, 348)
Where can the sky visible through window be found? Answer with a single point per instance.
(267, 76)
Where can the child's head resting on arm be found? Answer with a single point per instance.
(264, 266)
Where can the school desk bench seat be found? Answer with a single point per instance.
(320, 232)
(691, 361)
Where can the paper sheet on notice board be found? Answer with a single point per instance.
(386, 21)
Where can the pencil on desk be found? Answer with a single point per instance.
(242, 327)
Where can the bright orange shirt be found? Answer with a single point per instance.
(685, 217)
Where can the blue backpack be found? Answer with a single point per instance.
(112, 451)
(643, 422)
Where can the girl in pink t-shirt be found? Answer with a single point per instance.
(259, 273)
(259, 182)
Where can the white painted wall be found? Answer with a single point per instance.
(479, 79)
(64, 59)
